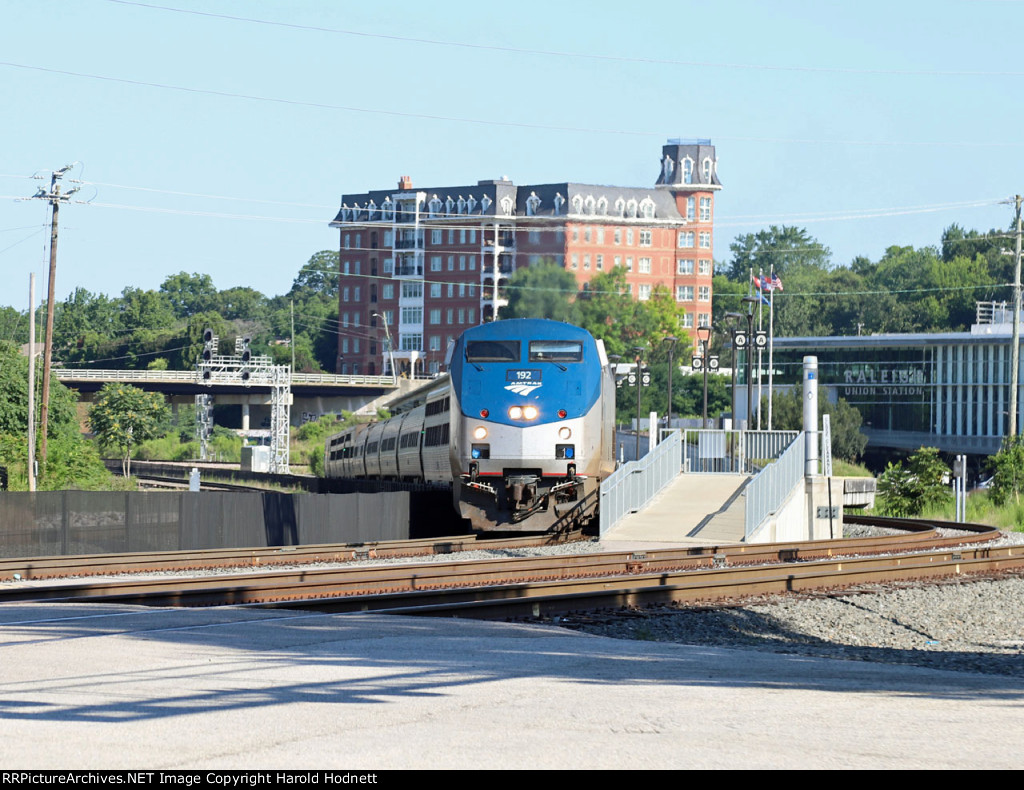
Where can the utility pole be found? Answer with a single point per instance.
(32, 381)
(1015, 343)
(54, 198)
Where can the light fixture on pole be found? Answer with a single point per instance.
(739, 340)
(750, 301)
(638, 355)
(704, 336)
(671, 341)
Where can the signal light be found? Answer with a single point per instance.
(484, 413)
(562, 413)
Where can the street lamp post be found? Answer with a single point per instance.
(391, 348)
(638, 355)
(733, 332)
(704, 336)
(671, 348)
(750, 301)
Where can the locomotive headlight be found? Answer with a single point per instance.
(530, 412)
(515, 413)
(564, 433)
(479, 432)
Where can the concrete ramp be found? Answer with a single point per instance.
(695, 509)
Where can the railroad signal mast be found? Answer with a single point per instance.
(245, 369)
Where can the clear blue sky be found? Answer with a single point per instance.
(871, 124)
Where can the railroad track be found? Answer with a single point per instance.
(549, 586)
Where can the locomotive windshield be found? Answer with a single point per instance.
(492, 351)
(556, 351)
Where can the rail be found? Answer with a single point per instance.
(770, 487)
(635, 483)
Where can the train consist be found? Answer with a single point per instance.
(522, 427)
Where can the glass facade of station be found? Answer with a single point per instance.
(953, 385)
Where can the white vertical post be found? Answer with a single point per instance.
(810, 416)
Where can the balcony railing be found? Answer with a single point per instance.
(409, 270)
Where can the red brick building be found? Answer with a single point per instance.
(418, 266)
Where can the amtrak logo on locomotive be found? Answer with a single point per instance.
(523, 382)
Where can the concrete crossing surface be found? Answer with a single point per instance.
(89, 686)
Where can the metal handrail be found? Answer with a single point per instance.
(635, 483)
(771, 487)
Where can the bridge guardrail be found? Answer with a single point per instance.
(190, 377)
(635, 483)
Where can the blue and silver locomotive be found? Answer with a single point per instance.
(522, 427)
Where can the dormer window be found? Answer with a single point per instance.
(705, 169)
(577, 204)
(647, 208)
(434, 206)
(462, 205)
(449, 204)
(589, 205)
(532, 204)
(371, 207)
(602, 205)
(631, 207)
(345, 213)
(559, 202)
(485, 203)
(507, 206)
(387, 208)
(470, 204)
(620, 207)
(667, 168)
(687, 167)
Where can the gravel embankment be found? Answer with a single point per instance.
(962, 625)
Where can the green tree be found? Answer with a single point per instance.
(188, 294)
(319, 275)
(123, 416)
(848, 442)
(910, 490)
(542, 290)
(783, 247)
(1007, 467)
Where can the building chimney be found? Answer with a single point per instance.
(404, 184)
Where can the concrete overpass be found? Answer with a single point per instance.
(313, 394)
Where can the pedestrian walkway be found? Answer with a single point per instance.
(695, 509)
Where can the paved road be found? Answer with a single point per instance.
(88, 686)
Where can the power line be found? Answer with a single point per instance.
(578, 55)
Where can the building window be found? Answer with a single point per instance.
(705, 169)
(388, 291)
(355, 294)
(451, 263)
(534, 237)
(705, 240)
(586, 262)
(412, 289)
(344, 345)
(344, 294)
(435, 316)
(462, 289)
(412, 315)
(705, 209)
(704, 319)
(688, 321)
(704, 293)
(435, 235)
(599, 263)
(618, 236)
(646, 238)
(690, 212)
(472, 315)
(532, 204)
(472, 263)
(629, 237)
(574, 265)
(344, 320)
(462, 316)
(462, 263)
(629, 263)
(435, 263)
(599, 235)
(684, 266)
(559, 202)
(412, 342)
(644, 265)
(684, 293)
(348, 241)
(472, 236)
(448, 315)
(451, 290)
(586, 235)
(435, 342)
(618, 260)
(643, 292)
(389, 265)
(686, 238)
(687, 166)
(472, 290)
(705, 266)
(647, 208)
(435, 290)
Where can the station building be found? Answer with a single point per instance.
(420, 265)
(949, 390)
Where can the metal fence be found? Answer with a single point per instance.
(635, 483)
(732, 452)
(770, 487)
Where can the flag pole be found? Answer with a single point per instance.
(771, 347)
(760, 327)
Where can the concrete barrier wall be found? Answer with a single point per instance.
(102, 522)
